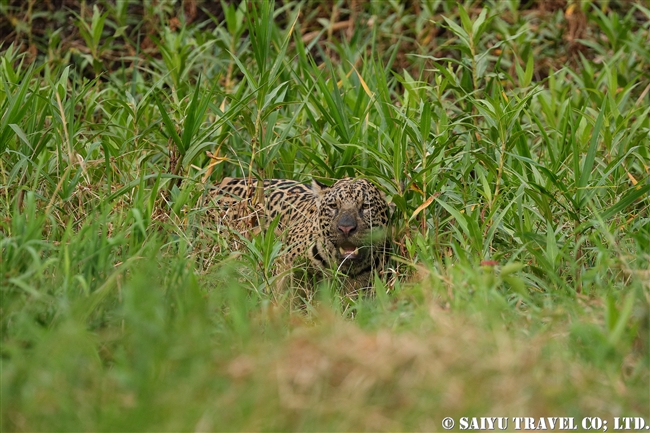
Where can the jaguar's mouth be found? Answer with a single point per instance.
(349, 252)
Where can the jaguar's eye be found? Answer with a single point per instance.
(365, 206)
(332, 205)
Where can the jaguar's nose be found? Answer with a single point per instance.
(347, 230)
(347, 225)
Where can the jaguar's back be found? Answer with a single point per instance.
(242, 198)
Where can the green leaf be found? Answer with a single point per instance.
(170, 126)
(632, 195)
(465, 20)
(530, 68)
(478, 26)
(459, 217)
(97, 27)
(622, 320)
(588, 164)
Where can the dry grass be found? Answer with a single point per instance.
(335, 376)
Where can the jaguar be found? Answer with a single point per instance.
(341, 228)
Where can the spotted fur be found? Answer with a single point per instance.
(340, 228)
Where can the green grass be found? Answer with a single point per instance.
(514, 148)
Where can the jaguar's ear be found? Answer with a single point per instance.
(319, 188)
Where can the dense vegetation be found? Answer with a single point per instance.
(512, 139)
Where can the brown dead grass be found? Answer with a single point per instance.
(336, 376)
